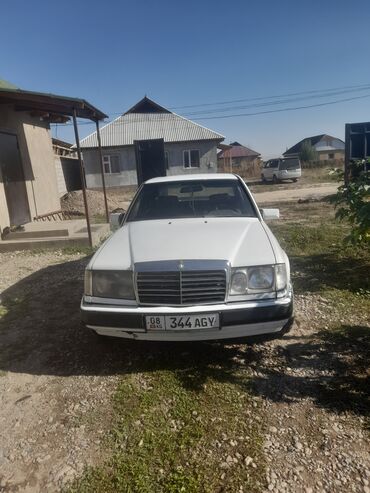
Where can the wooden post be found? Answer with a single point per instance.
(82, 173)
(102, 171)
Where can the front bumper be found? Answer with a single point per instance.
(236, 319)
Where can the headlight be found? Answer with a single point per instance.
(261, 279)
(239, 282)
(113, 284)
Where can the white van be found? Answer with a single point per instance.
(281, 169)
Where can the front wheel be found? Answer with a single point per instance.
(295, 180)
(263, 178)
(274, 179)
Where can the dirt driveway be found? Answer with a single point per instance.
(316, 191)
(57, 381)
(306, 396)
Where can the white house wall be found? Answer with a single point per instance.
(208, 157)
(127, 176)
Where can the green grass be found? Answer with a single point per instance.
(181, 429)
(321, 262)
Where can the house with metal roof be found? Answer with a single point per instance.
(328, 148)
(149, 140)
(239, 159)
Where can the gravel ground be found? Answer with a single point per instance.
(51, 426)
(57, 380)
(314, 443)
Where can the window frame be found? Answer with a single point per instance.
(189, 151)
(107, 161)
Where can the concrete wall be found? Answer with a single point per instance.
(61, 183)
(68, 173)
(127, 176)
(324, 155)
(37, 158)
(208, 157)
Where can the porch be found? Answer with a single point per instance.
(54, 234)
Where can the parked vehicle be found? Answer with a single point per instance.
(193, 260)
(281, 169)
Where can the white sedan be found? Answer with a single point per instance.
(192, 260)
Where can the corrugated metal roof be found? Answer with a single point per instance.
(314, 141)
(237, 150)
(141, 126)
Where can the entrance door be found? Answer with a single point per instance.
(149, 159)
(13, 179)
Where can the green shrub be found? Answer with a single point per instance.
(352, 201)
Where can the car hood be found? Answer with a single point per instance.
(241, 241)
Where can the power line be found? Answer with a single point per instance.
(270, 97)
(275, 103)
(325, 92)
(203, 114)
(284, 109)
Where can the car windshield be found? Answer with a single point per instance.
(191, 198)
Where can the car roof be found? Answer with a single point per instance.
(193, 176)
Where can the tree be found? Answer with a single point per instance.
(308, 152)
(352, 201)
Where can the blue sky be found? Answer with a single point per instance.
(194, 52)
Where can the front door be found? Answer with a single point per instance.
(150, 161)
(12, 177)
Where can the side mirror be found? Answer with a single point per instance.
(121, 218)
(116, 220)
(269, 214)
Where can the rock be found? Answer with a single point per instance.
(248, 460)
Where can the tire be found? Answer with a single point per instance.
(295, 180)
(263, 178)
(274, 179)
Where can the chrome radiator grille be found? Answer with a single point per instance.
(181, 287)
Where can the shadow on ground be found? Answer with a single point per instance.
(331, 368)
(314, 273)
(40, 333)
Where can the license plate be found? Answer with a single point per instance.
(183, 322)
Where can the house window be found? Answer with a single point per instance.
(331, 156)
(111, 164)
(166, 159)
(191, 158)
